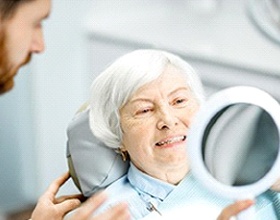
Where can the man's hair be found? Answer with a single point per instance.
(9, 7)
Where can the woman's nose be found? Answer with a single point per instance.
(166, 119)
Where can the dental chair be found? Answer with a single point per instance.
(92, 165)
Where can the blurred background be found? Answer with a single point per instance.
(229, 42)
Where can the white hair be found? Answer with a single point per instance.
(111, 90)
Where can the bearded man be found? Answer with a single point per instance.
(21, 35)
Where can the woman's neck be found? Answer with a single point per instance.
(171, 175)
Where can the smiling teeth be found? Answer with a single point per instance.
(173, 140)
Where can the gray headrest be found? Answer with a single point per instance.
(92, 164)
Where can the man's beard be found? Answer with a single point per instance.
(7, 71)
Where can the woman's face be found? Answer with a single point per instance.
(155, 124)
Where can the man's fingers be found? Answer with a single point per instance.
(235, 209)
(276, 186)
(56, 184)
(68, 205)
(94, 202)
(118, 212)
(87, 209)
(67, 197)
(90, 205)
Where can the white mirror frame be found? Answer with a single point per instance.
(217, 102)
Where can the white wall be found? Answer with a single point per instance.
(17, 157)
(58, 85)
(223, 34)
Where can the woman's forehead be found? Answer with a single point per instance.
(158, 89)
(168, 79)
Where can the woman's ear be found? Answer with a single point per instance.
(123, 152)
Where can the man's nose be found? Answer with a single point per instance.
(38, 44)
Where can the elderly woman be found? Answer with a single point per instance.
(142, 106)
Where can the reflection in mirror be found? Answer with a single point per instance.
(236, 141)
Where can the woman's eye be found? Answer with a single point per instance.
(180, 102)
(143, 111)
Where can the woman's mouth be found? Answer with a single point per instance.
(172, 140)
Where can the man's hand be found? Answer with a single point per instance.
(51, 208)
(276, 186)
(86, 210)
(235, 209)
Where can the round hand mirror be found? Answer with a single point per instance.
(234, 144)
